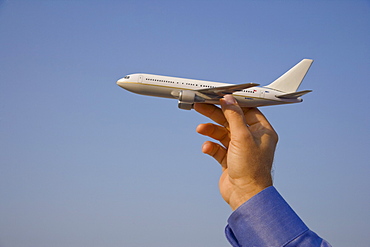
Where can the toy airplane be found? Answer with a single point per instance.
(188, 91)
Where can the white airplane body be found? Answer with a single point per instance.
(188, 91)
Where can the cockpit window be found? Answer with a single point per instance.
(127, 77)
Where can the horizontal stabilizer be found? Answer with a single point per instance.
(219, 92)
(293, 95)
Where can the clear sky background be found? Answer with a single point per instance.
(85, 163)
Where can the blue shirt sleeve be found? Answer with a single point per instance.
(267, 220)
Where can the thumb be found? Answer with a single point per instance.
(234, 116)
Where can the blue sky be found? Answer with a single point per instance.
(85, 163)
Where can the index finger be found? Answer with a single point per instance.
(253, 116)
(213, 112)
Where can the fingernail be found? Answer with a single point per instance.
(229, 99)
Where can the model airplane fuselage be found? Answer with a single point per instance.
(188, 91)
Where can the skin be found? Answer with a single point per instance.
(246, 152)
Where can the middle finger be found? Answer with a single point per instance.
(216, 132)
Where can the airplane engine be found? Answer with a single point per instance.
(187, 99)
(185, 106)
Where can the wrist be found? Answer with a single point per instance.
(240, 197)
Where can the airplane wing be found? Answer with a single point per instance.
(219, 92)
(293, 95)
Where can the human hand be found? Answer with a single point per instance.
(247, 151)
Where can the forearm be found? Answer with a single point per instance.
(267, 220)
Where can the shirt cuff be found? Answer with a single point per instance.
(264, 220)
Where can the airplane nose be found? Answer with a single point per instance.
(120, 82)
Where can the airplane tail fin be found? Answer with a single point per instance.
(292, 79)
